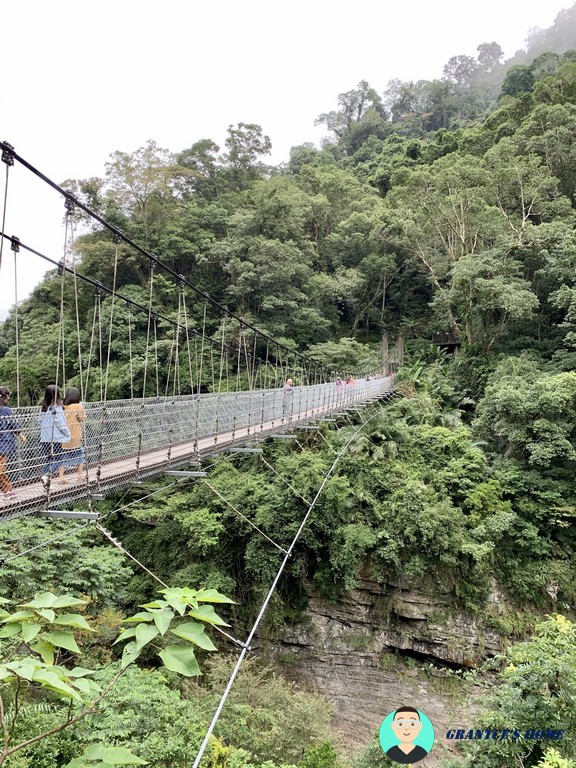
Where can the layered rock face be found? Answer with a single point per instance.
(378, 648)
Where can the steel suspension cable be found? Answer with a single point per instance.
(130, 361)
(70, 220)
(148, 328)
(16, 324)
(155, 319)
(183, 294)
(115, 274)
(238, 357)
(61, 342)
(199, 372)
(92, 335)
(8, 159)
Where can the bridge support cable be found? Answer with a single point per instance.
(96, 314)
(246, 519)
(16, 248)
(108, 535)
(149, 325)
(268, 597)
(283, 479)
(8, 156)
(61, 334)
(69, 222)
(111, 323)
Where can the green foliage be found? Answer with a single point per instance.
(40, 639)
(77, 563)
(553, 759)
(536, 690)
(271, 718)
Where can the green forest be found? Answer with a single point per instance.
(434, 207)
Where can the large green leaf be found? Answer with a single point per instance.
(41, 600)
(50, 680)
(130, 654)
(212, 596)
(89, 688)
(73, 620)
(179, 605)
(125, 635)
(155, 604)
(94, 752)
(63, 640)
(99, 756)
(138, 617)
(47, 613)
(4, 601)
(67, 601)
(163, 619)
(45, 650)
(80, 672)
(144, 633)
(23, 669)
(29, 631)
(181, 659)
(18, 616)
(194, 633)
(122, 756)
(208, 614)
(10, 630)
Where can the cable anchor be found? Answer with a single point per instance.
(15, 244)
(7, 153)
(116, 237)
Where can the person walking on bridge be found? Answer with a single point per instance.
(53, 432)
(287, 403)
(73, 450)
(9, 429)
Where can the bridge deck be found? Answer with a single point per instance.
(126, 441)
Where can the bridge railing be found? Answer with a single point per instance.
(147, 432)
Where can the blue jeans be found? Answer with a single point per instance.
(53, 457)
(73, 457)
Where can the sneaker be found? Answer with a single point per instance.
(10, 495)
(45, 479)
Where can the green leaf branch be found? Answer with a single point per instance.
(39, 639)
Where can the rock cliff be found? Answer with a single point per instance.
(378, 648)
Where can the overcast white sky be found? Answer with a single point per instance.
(80, 80)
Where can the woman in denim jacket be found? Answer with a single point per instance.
(53, 432)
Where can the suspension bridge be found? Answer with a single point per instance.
(218, 388)
(127, 441)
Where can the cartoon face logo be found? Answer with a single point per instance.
(406, 735)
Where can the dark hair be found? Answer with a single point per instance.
(4, 393)
(407, 709)
(72, 396)
(51, 397)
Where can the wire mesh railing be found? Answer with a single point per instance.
(124, 441)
